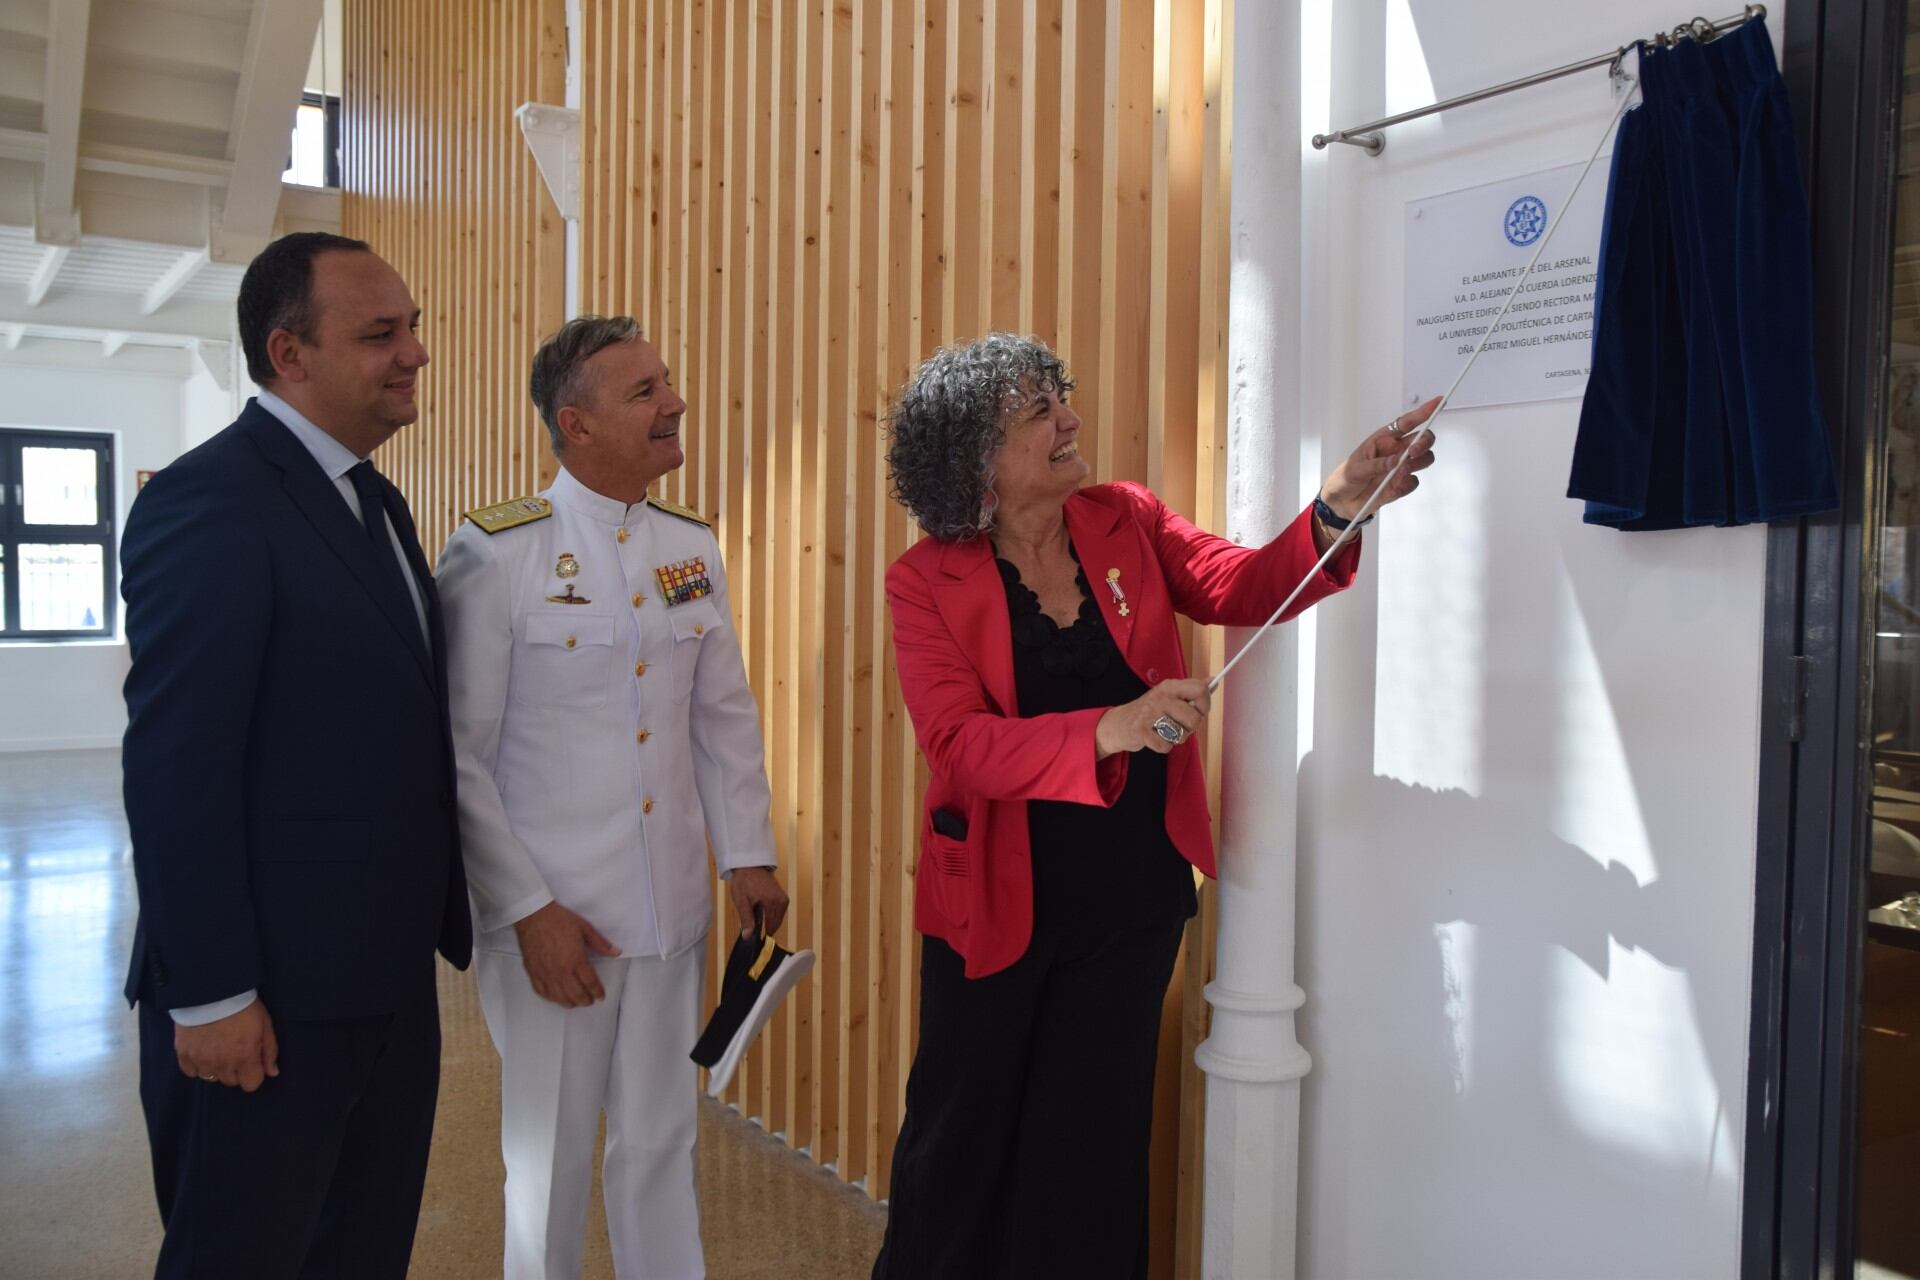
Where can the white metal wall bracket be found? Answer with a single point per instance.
(217, 359)
(553, 135)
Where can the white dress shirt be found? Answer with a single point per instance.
(336, 460)
(604, 737)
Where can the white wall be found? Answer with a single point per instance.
(325, 72)
(67, 694)
(1529, 773)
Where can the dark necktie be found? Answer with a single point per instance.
(373, 518)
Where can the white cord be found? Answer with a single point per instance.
(1426, 428)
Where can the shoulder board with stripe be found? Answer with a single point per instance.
(675, 509)
(511, 514)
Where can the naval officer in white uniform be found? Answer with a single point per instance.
(605, 736)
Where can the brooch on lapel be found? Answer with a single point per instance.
(1119, 596)
(684, 580)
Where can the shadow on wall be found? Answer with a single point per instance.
(1526, 952)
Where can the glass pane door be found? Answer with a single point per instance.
(1889, 1136)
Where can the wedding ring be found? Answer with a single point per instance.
(209, 1078)
(1169, 728)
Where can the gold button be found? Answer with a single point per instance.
(623, 535)
(639, 668)
(646, 806)
(641, 736)
(639, 598)
(570, 642)
(699, 630)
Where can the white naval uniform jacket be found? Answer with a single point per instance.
(600, 746)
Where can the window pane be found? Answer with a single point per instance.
(1887, 1174)
(60, 486)
(307, 165)
(62, 587)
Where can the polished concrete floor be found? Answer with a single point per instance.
(75, 1196)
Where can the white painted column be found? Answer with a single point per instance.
(576, 76)
(1252, 1059)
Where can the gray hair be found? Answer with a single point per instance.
(950, 417)
(559, 366)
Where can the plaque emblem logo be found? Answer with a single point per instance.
(1526, 220)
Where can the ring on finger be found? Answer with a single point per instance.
(1170, 729)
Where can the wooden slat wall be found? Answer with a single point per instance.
(799, 199)
(438, 180)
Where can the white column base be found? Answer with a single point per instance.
(1279, 1058)
(1252, 1199)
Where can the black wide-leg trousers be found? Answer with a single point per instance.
(317, 1175)
(1029, 1111)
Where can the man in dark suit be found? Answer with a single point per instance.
(289, 785)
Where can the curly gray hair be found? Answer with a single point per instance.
(948, 420)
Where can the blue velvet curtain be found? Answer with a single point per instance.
(1701, 407)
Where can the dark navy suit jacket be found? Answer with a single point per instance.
(288, 763)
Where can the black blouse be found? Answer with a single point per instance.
(1104, 870)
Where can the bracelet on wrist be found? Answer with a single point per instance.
(1333, 520)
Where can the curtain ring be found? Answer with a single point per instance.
(1617, 72)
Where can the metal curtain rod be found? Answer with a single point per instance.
(1368, 137)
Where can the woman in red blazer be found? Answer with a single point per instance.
(1035, 635)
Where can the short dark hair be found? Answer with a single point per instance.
(947, 421)
(277, 293)
(557, 366)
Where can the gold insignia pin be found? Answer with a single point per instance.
(569, 566)
(1119, 596)
(568, 597)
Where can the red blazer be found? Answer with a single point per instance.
(953, 644)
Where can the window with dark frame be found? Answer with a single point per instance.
(56, 536)
(313, 152)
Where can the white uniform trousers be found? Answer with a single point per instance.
(560, 1068)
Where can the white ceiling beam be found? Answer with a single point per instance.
(110, 344)
(279, 47)
(52, 258)
(76, 312)
(67, 22)
(163, 166)
(12, 335)
(133, 162)
(172, 280)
